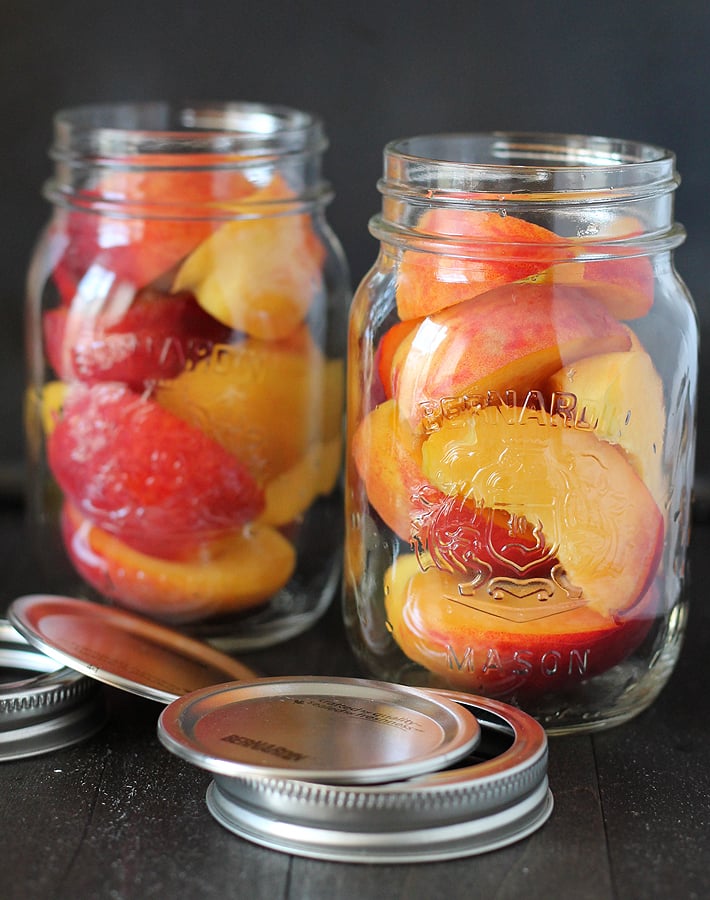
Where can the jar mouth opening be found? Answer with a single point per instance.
(539, 165)
(114, 131)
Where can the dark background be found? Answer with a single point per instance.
(374, 71)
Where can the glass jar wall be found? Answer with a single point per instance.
(521, 406)
(186, 307)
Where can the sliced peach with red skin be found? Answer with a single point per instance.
(258, 274)
(463, 536)
(487, 250)
(387, 457)
(624, 282)
(472, 649)
(386, 349)
(143, 474)
(510, 339)
(597, 515)
(154, 335)
(137, 247)
(234, 573)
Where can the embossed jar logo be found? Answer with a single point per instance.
(506, 556)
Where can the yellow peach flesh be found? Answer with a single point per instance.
(290, 494)
(597, 516)
(237, 572)
(262, 401)
(621, 396)
(258, 275)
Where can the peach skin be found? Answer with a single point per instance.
(623, 281)
(230, 574)
(510, 339)
(470, 649)
(387, 457)
(487, 250)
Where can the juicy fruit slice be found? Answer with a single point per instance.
(234, 573)
(624, 286)
(386, 349)
(387, 456)
(161, 219)
(597, 515)
(154, 336)
(510, 339)
(468, 538)
(290, 494)
(621, 396)
(145, 476)
(447, 531)
(178, 182)
(469, 649)
(258, 275)
(623, 283)
(504, 249)
(265, 402)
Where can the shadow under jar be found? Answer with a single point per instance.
(186, 368)
(522, 377)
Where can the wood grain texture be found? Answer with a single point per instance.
(119, 818)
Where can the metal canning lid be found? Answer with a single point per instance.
(332, 730)
(47, 711)
(495, 797)
(121, 648)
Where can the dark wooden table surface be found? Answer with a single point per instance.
(119, 817)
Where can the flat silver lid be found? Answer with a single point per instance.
(42, 712)
(120, 648)
(495, 796)
(333, 730)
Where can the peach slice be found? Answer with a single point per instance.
(292, 492)
(258, 275)
(163, 216)
(459, 535)
(510, 339)
(624, 283)
(265, 402)
(387, 457)
(469, 648)
(386, 349)
(491, 249)
(228, 575)
(597, 515)
(620, 395)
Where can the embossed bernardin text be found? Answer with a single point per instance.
(519, 662)
(360, 712)
(264, 747)
(562, 408)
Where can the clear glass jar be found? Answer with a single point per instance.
(522, 375)
(186, 305)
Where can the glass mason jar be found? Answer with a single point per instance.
(186, 368)
(522, 372)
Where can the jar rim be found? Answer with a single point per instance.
(117, 130)
(535, 164)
